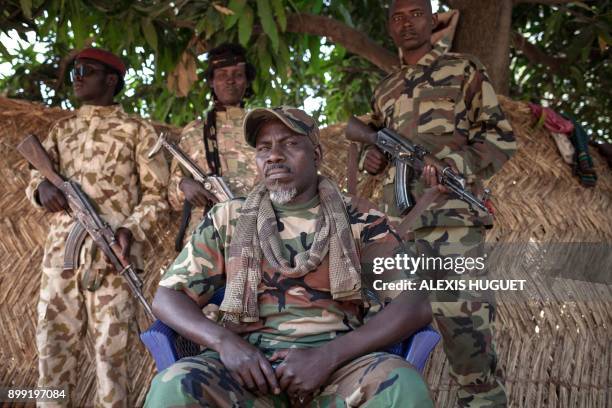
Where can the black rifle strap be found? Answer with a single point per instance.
(211, 148)
(210, 142)
(185, 217)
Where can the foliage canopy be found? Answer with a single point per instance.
(165, 44)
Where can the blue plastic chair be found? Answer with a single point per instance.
(167, 347)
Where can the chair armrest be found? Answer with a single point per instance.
(160, 340)
(166, 346)
(420, 346)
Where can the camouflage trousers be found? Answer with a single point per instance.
(374, 380)
(65, 311)
(465, 321)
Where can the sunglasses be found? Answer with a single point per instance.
(83, 71)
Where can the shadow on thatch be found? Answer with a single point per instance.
(555, 354)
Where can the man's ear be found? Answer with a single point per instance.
(111, 80)
(434, 20)
(318, 156)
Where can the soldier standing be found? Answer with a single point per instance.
(217, 144)
(105, 151)
(445, 102)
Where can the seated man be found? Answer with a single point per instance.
(293, 257)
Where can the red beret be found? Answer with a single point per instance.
(105, 57)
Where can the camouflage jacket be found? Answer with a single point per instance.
(237, 159)
(446, 103)
(105, 151)
(293, 312)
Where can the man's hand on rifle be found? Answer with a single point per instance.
(195, 193)
(51, 197)
(124, 239)
(375, 160)
(430, 176)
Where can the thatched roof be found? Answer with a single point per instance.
(554, 353)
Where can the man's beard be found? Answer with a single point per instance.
(281, 195)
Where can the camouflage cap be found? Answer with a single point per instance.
(295, 119)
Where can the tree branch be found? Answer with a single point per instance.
(339, 33)
(353, 40)
(548, 2)
(535, 55)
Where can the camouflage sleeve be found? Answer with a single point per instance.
(199, 270)
(376, 120)
(153, 178)
(378, 242)
(490, 140)
(50, 145)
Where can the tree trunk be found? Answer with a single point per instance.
(484, 31)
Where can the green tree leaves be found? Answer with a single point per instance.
(154, 35)
(575, 40)
(245, 25)
(148, 30)
(26, 7)
(264, 11)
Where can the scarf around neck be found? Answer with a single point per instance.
(256, 238)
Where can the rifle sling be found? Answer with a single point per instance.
(185, 217)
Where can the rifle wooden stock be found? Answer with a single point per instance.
(357, 131)
(37, 156)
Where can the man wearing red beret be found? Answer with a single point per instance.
(104, 150)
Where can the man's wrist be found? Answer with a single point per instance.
(333, 354)
(216, 337)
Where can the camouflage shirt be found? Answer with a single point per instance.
(237, 159)
(446, 104)
(294, 312)
(105, 151)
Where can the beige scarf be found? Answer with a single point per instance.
(256, 237)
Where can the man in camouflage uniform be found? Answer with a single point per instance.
(105, 151)
(217, 145)
(445, 102)
(297, 307)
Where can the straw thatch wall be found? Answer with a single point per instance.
(555, 354)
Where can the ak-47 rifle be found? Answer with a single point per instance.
(213, 184)
(405, 153)
(87, 220)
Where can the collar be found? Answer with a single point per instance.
(88, 111)
(231, 113)
(312, 203)
(426, 60)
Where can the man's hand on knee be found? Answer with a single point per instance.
(302, 372)
(247, 365)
